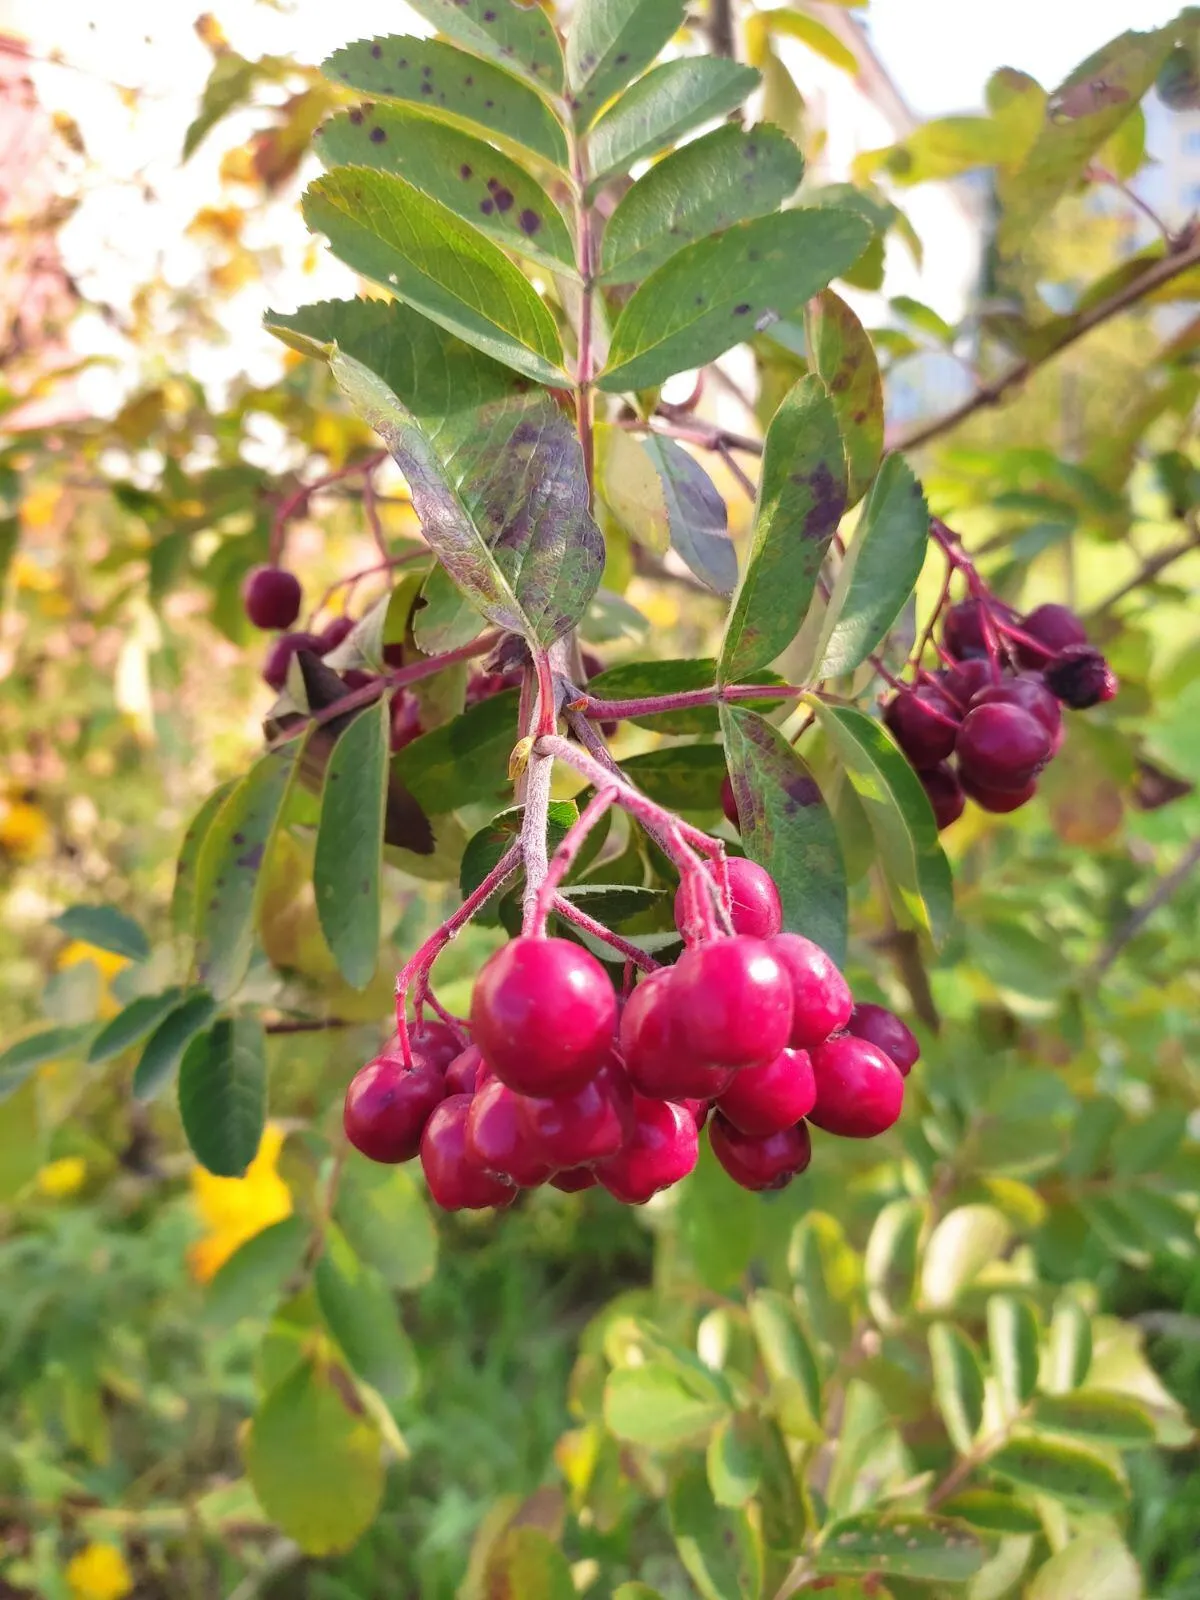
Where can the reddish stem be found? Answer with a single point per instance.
(353, 579)
(564, 857)
(300, 497)
(656, 705)
(570, 912)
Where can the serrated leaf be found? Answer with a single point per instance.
(671, 100)
(962, 1244)
(386, 1221)
(1094, 1566)
(447, 82)
(696, 516)
(465, 761)
(685, 777)
(992, 1511)
(387, 230)
(609, 43)
(723, 290)
(900, 1545)
(890, 1261)
(251, 1281)
(308, 1438)
(349, 850)
(21, 1058)
(132, 1023)
(1114, 1419)
(1065, 1472)
(842, 355)
(881, 566)
(183, 895)
(474, 179)
(488, 845)
(957, 1383)
(106, 928)
(801, 497)
(718, 1545)
(786, 827)
(167, 1043)
(726, 176)
(652, 1405)
(1068, 1347)
(1013, 1338)
(613, 903)
(360, 1313)
(638, 679)
(519, 38)
(223, 1095)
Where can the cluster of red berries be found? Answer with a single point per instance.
(564, 1084)
(984, 726)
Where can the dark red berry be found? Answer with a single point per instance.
(543, 1013)
(495, 1138)
(1027, 690)
(455, 1182)
(860, 1090)
(1081, 677)
(387, 1107)
(335, 632)
(279, 656)
(662, 1149)
(271, 597)
(574, 1179)
(756, 906)
(963, 630)
(579, 1129)
(1055, 627)
(767, 1099)
(760, 1163)
(1000, 801)
(945, 794)
(434, 1043)
(821, 998)
(884, 1029)
(924, 724)
(462, 1075)
(729, 802)
(734, 999)
(1001, 746)
(658, 1053)
(406, 719)
(961, 683)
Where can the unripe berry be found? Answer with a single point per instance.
(659, 1056)
(387, 1107)
(1001, 746)
(767, 1163)
(1028, 690)
(729, 803)
(768, 1099)
(543, 1013)
(884, 1029)
(1056, 627)
(271, 597)
(756, 906)
(279, 656)
(821, 998)
(1081, 677)
(494, 1138)
(455, 1183)
(998, 801)
(579, 1129)
(463, 1073)
(924, 724)
(335, 633)
(945, 794)
(662, 1149)
(860, 1090)
(735, 1001)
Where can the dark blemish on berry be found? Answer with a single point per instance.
(504, 199)
(378, 135)
(356, 117)
(529, 222)
(860, 417)
(740, 311)
(464, 171)
(376, 51)
(487, 207)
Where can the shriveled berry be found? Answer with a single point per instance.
(924, 724)
(760, 1163)
(434, 1042)
(579, 1129)
(271, 597)
(999, 801)
(662, 1149)
(884, 1029)
(767, 1099)
(1027, 690)
(945, 793)
(659, 1056)
(860, 1090)
(735, 1000)
(1002, 746)
(335, 633)
(821, 998)
(387, 1107)
(495, 1138)
(1081, 677)
(729, 802)
(406, 720)
(543, 1013)
(279, 656)
(961, 683)
(462, 1074)
(574, 1179)
(756, 906)
(455, 1182)
(1055, 627)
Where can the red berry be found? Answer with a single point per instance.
(574, 1179)
(757, 909)
(860, 1090)
(1056, 627)
(387, 1107)
(999, 801)
(1027, 690)
(463, 1073)
(434, 1043)
(495, 1138)
(767, 1099)
(962, 627)
(944, 792)
(760, 1163)
(356, 678)
(924, 724)
(821, 998)
(734, 999)
(699, 1109)
(884, 1029)
(271, 597)
(406, 720)
(961, 683)
(279, 656)
(1081, 677)
(662, 1149)
(729, 802)
(455, 1183)
(543, 1013)
(334, 633)
(658, 1054)
(579, 1129)
(1002, 746)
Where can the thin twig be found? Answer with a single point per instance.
(694, 431)
(1149, 569)
(1138, 918)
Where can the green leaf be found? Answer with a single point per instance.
(1065, 1472)
(1146, 1146)
(827, 1272)
(638, 679)
(734, 1460)
(696, 517)
(446, 619)
(314, 1460)
(230, 84)
(671, 100)
(900, 1545)
(962, 1244)
(106, 928)
(472, 178)
(842, 355)
(1068, 1347)
(609, 43)
(992, 1511)
(801, 497)
(730, 175)
(223, 1095)
(251, 1281)
(386, 1221)
(349, 852)
(519, 38)
(524, 1564)
(957, 1383)
(20, 1059)
(899, 815)
(183, 896)
(1092, 1414)
(635, 1591)
(448, 83)
(787, 829)
(1013, 1346)
(723, 290)
(685, 777)
(890, 1261)
(167, 1043)
(653, 1405)
(718, 1545)
(384, 228)
(361, 1314)
(880, 568)
(786, 1353)
(137, 1019)
(630, 487)
(1094, 1566)
(230, 882)
(486, 847)
(464, 761)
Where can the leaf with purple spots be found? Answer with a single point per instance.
(609, 43)
(660, 108)
(696, 515)
(786, 827)
(223, 1095)
(801, 497)
(349, 852)
(520, 38)
(841, 353)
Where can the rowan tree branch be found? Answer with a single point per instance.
(1138, 918)
(1150, 569)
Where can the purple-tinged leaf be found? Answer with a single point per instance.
(696, 515)
(841, 353)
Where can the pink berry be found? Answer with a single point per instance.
(767, 1099)
(1001, 746)
(455, 1182)
(335, 633)
(543, 1013)
(1055, 627)
(271, 597)
(945, 794)
(821, 998)
(279, 656)
(387, 1107)
(434, 1043)
(859, 1089)
(961, 683)
(924, 724)
(760, 1163)
(884, 1029)
(581, 1128)
(734, 1000)
(574, 1179)
(495, 1140)
(729, 802)
(659, 1057)
(662, 1149)
(462, 1074)
(700, 1110)
(756, 907)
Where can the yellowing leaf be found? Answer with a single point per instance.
(631, 488)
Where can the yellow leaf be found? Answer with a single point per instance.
(632, 488)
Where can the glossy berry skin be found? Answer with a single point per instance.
(859, 1089)
(756, 906)
(1002, 746)
(1055, 627)
(659, 1057)
(433, 1042)
(279, 656)
(998, 801)
(962, 683)
(760, 1163)
(662, 1149)
(945, 794)
(464, 1072)
(271, 597)
(700, 1110)
(387, 1107)
(767, 1099)
(543, 1013)
(923, 724)
(729, 803)
(494, 1138)
(734, 1001)
(580, 1129)
(1081, 678)
(884, 1029)
(335, 633)
(821, 998)
(1028, 691)
(962, 627)
(455, 1182)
